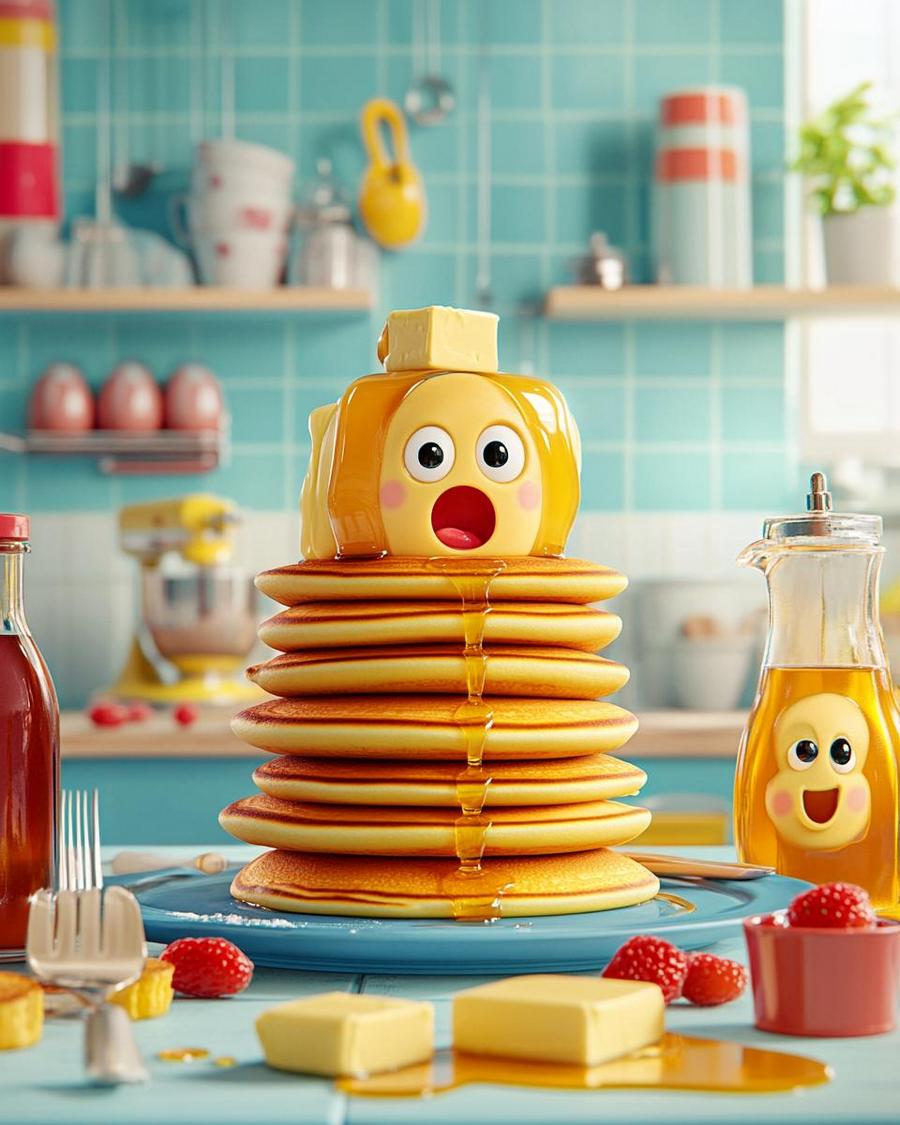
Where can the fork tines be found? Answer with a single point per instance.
(79, 866)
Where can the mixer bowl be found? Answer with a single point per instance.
(209, 612)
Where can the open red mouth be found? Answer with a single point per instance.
(463, 518)
(820, 805)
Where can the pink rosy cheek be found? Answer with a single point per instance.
(782, 803)
(529, 495)
(857, 798)
(393, 494)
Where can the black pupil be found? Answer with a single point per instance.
(841, 751)
(495, 454)
(806, 750)
(430, 455)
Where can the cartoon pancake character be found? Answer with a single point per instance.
(427, 460)
(820, 799)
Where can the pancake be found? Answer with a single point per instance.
(529, 578)
(431, 726)
(551, 673)
(409, 831)
(336, 624)
(595, 777)
(380, 887)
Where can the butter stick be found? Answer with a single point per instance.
(439, 339)
(583, 1021)
(346, 1034)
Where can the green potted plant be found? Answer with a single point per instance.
(846, 152)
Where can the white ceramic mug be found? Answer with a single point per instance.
(228, 155)
(241, 259)
(193, 216)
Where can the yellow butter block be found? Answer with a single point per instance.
(439, 339)
(584, 1021)
(21, 1011)
(151, 994)
(342, 1033)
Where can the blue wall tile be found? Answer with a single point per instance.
(659, 74)
(243, 347)
(761, 21)
(667, 414)
(591, 207)
(595, 82)
(762, 480)
(590, 148)
(663, 348)
(661, 21)
(755, 350)
(337, 83)
(515, 80)
(338, 23)
(753, 414)
(672, 483)
(586, 349)
(602, 481)
(262, 84)
(761, 74)
(264, 25)
(581, 22)
(519, 213)
(599, 408)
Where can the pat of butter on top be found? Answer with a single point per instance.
(584, 1021)
(346, 1034)
(439, 339)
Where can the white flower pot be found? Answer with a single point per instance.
(862, 248)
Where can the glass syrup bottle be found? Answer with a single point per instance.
(29, 750)
(815, 792)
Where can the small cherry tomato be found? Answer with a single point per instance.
(185, 714)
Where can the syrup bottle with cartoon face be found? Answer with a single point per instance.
(816, 791)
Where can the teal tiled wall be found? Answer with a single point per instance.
(674, 415)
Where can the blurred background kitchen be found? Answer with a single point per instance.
(200, 243)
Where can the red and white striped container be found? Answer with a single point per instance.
(29, 112)
(702, 228)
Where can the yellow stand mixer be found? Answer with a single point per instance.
(198, 612)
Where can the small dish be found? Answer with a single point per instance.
(823, 982)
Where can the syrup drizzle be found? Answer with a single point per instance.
(183, 1054)
(475, 892)
(677, 1062)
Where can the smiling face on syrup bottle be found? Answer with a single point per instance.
(460, 472)
(819, 797)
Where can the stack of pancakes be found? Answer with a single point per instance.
(443, 751)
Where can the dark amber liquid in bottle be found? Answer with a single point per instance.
(29, 773)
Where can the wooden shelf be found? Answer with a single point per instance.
(129, 452)
(686, 302)
(200, 298)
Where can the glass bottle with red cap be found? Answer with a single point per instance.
(29, 750)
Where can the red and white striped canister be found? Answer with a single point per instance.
(29, 112)
(702, 227)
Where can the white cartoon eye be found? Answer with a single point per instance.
(429, 454)
(500, 453)
(842, 756)
(802, 754)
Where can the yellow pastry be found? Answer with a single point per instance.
(21, 1011)
(151, 994)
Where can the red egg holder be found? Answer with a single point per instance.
(127, 452)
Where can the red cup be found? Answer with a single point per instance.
(817, 981)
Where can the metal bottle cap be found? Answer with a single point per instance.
(820, 522)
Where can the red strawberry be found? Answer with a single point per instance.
(108, 714)
(185, 714)
(713, 980)
(650, 958)
(833, 905)
(208, 967)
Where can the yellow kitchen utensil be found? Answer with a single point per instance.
(391, 196)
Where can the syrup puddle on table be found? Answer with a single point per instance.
(684, 905)
(678, 1062)
(183, 1054)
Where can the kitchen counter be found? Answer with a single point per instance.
(662, 734)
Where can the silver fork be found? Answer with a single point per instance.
(90, 941)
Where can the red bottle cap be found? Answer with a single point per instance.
(14, 526)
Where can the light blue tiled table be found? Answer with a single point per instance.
(45, 1084)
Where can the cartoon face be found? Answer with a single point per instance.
(460, 473)
(819, 798)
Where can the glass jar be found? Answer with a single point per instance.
(815, 791)
(29, 751)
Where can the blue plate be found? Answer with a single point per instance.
(201, 906)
